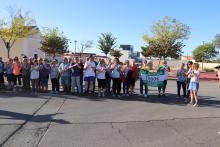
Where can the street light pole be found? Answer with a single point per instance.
(75, 46)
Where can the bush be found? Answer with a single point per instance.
(209, 70)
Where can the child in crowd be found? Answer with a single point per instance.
(194, 84)
(101, 70)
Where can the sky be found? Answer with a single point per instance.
(127, 20)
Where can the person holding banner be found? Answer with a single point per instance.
(163, 69)
(144, 70)
(181, 80)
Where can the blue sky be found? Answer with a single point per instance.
(127, 20)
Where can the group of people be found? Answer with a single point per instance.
(188, 79)
(33, 75)
(112, 76)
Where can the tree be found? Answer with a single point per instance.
(115, 53)
(54, 42)
(204, 52)
(217, 41)
(85, 45)
(166, 40)
(19, 26)
(106, 43)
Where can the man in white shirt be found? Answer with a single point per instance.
(89, 77)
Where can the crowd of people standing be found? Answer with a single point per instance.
(112, 77)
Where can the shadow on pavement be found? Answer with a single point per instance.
(27, 117)
(171, 99)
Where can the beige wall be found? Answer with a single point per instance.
(32, 45)
(16, 50)
(27, 46)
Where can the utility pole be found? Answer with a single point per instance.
(75, 46)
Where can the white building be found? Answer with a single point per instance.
(28, 46)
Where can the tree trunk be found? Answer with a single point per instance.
(8, 51)
(159, 62)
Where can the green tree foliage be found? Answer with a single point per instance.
(217, 41)
(17, 27)
(106, 43)
(115, 53)
(166, 40)
(54, 42)
(204, 52)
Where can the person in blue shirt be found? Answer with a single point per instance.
(181, 80)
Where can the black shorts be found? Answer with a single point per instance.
(2, 77)
(132, 82)
(101, 83)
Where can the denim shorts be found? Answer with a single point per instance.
(193, 86)
(89, 79)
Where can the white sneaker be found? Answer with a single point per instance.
(196, 105)
(145, 95)
(140, 94)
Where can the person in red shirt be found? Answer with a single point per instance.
(134, 76)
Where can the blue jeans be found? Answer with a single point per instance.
(75, 82)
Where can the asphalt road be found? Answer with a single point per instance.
(47, 120)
